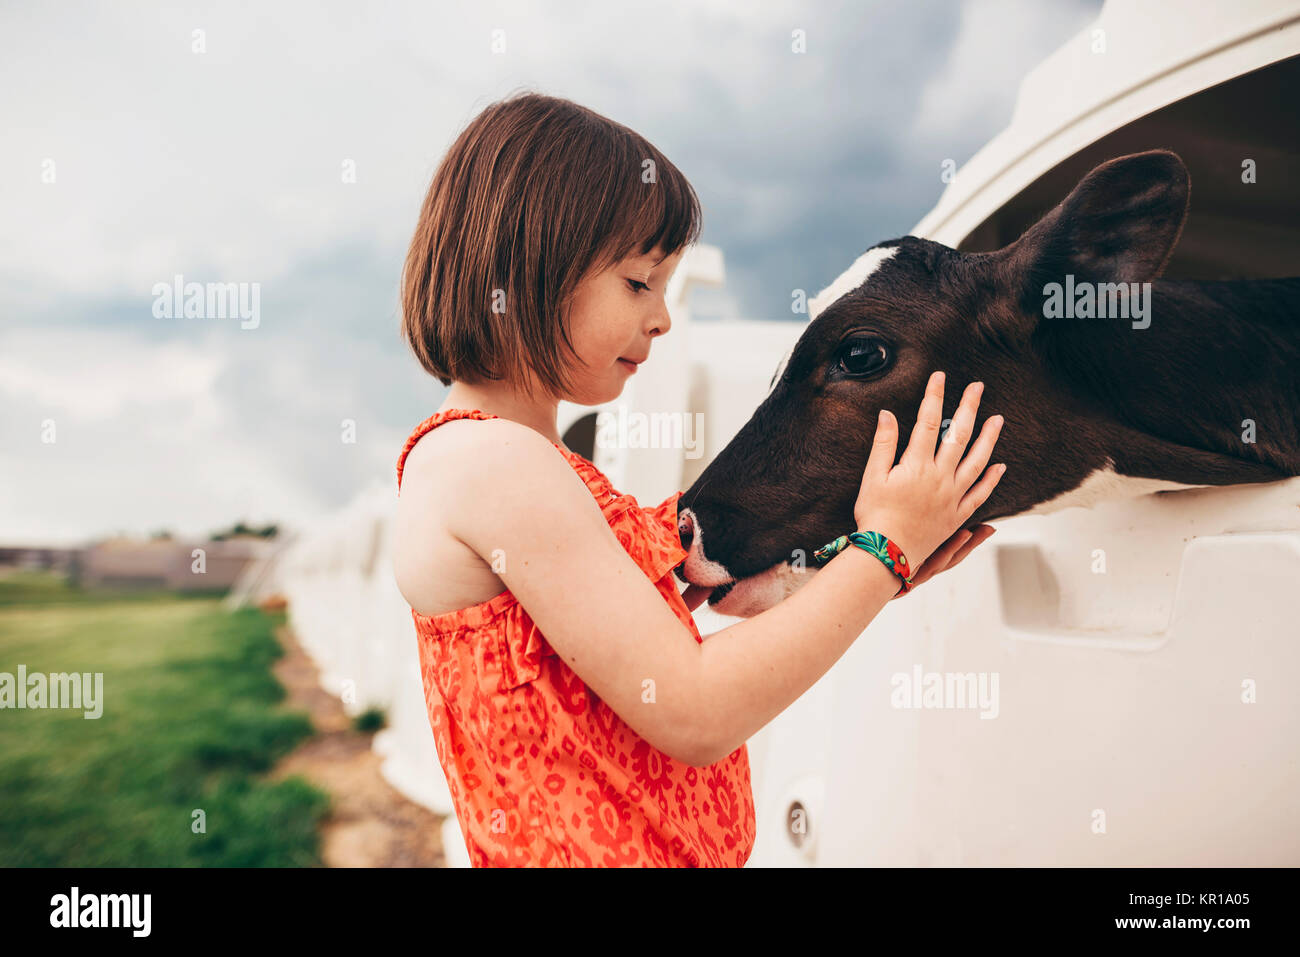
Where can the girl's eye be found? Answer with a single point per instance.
(638, 286)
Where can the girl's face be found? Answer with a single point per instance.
(613, 317)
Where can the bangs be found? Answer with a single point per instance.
(642, 212)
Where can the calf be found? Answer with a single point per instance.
(1107, 390)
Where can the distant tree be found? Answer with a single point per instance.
(242, 528)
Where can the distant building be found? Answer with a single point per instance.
(171, 564)
(32, 556)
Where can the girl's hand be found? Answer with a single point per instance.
(928, 495)
(951, 553)
(920, 501)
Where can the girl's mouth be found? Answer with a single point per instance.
(629, 366)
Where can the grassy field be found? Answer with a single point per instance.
(190, 721)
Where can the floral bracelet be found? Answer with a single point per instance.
(876, 544)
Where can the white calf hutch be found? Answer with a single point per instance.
(1145, 651)
(1139, 659)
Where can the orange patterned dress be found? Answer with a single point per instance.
(541, 771)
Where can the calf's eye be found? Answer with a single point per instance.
(862, 356)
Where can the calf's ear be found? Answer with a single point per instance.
(1120, 224)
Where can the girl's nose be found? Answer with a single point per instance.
(664, 324)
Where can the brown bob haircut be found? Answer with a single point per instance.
(535, 194)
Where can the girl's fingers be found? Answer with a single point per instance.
(982, 534)
(942, 558)
(965, 542)
(980, 491)
(953, 444)
(920, 447)
(980, 452)
(883, 447)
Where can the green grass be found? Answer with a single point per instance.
(35, 587)
(191, 720)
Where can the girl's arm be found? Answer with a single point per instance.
(518, 499)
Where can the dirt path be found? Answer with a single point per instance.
(372, 824)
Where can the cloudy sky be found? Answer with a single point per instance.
(133, 149)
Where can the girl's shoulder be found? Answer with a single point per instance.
(468, 484)
(459, 450)
(454, 467)
(440, 469)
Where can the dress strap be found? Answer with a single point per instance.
(431, 423)
(585, 467)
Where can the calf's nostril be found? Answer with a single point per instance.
(685, 531)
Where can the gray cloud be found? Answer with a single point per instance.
(225, 166)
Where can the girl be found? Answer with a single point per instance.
(577, 714)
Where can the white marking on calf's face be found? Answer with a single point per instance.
(750, 595)
(850, 279)
(758, 593)
(699, 570)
